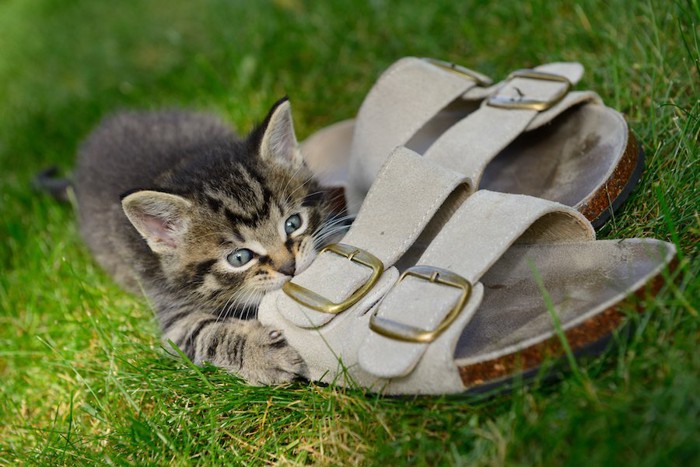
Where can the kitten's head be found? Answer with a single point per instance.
(245, 219)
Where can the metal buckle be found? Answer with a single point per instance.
(481, 80)
(316, 302)
(406, 333)
(504, 102)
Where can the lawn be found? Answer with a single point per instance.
(84, 378)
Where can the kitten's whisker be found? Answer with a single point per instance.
(325, 240)
(340, 218)
(222, 311)
(238, 299)
(340, 224)
(230, 303)
(322, 236)
(330, 229)
(302, 185)
(241, 302)
(329, 232)
(252, 308)
(250, 303)
(289, 180)
(332, 222)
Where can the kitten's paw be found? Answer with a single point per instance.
(269, 359)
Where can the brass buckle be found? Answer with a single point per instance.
(531, 104)
(478, 78)
(316, 302)
(406, 333)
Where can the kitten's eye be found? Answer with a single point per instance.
(240, 257)
(292, 223)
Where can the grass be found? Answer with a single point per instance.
(84, 380)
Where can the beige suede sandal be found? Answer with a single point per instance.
(527, 135)
(468, 310)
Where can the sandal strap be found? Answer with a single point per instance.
(384, 115)
(466, 249)
(471, 144)
(404, 98)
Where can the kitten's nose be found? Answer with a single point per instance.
(288, 268)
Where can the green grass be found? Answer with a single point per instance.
(83, 377)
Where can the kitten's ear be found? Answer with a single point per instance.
(161, 218)
(278, 139)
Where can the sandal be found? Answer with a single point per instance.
(527, 135)
(468, 311)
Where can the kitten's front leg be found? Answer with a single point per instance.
(257, 353)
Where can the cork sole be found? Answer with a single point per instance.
(590, 284)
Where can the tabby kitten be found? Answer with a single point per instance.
(173, 203)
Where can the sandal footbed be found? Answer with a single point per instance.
(587, 284)
(585, 158)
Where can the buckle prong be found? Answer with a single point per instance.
(316, 302)
(539, 105)
(406, 333)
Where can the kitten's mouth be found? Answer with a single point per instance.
(279, 283)
(303, 266)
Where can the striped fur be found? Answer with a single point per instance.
(192, 194)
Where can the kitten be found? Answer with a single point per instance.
(206, 224)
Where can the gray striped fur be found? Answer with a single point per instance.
(165, 197)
